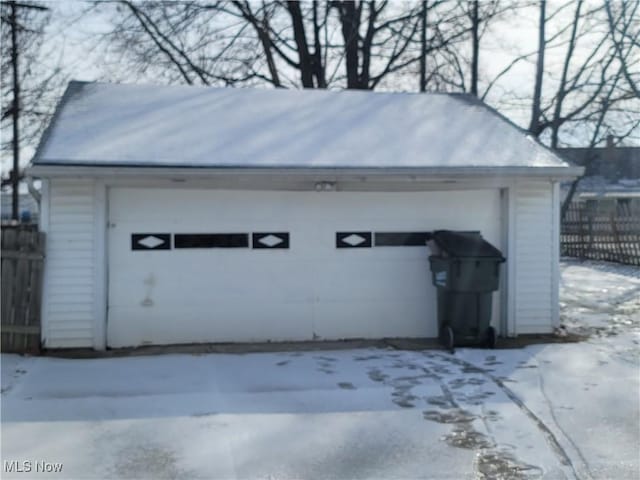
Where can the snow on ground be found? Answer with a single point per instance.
(599, 297)
(551, 411)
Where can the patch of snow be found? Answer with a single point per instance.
(599, 297)
(598, 186)
(107, 124)
(630, 182)
(555, 411)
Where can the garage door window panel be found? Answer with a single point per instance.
(211, 240)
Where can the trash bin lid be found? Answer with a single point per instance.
(465, 244)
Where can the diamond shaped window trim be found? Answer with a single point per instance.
(270, 241)
(151, 241)
(354, 240)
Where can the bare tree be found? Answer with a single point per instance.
(381, 44)
(25, 84)
(612, 110)
(607, 102)
(318, 44)
(569, 95)
(474, 20)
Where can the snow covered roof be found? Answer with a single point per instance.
(116, 125)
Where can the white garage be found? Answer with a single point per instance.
(185, 215)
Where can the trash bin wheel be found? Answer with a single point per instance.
(447, 338)
(491, 337)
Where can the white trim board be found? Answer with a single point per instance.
(44, 220)
(555, 256)
(427, 173)
(100, 267)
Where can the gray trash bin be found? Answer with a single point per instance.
(466, 272)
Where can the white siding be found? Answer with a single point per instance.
(69, 295)
(534, 270)
(74, 214)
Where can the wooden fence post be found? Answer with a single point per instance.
(617, 243)
(22, 268)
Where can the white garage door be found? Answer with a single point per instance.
(237, 266)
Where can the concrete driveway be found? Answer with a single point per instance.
(369, 413)
(565, 411)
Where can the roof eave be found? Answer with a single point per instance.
(66, 170)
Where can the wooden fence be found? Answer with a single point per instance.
(611, 234)
(22, 268)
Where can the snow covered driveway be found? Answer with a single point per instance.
(545, 411)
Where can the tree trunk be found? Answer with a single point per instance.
(306, 69)
(265, 41)
(350, 23)
(15, 174)
(318, 65)
(557, 113)
(423, 48)
(475, 25)
(534, 125)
